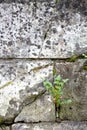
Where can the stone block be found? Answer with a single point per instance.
(74, 5)
(4, 128)
(37, 29)
(75, 89)
(20, 84)
(41, 110)
(52, 126)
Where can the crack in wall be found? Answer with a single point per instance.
(44, 38)
(24, 105)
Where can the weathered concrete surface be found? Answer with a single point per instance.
(42, 110)
(39, 29)
(20, 84)
(75, 89)
(52, 126)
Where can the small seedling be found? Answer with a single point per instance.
(56, 90)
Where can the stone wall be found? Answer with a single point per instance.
(38, 37)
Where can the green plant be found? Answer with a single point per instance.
(1, 122)
(84, 56)
(56, 1)
(56, 90)
(3, 127)
(85, 67)
(73, 58)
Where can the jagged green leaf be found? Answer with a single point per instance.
(65, 80)
(66, 101)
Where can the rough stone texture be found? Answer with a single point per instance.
(38, 29)
(74, 5)
(4, 128)
(20, 84)
(52, 126)
(76, 89)
(42, 109)
(41, 29)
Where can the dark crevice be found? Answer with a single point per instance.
(70, 108)
(45, 35)
(69, 59)
(57, 111)
(48, 28)
(10, 127)
(23, 122)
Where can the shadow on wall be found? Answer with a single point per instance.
(75, 5)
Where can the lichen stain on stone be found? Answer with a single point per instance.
(6, 84)
(35, 70)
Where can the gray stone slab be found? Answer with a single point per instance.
(24, 1)
(33, 30)
(52, 126)
(42, 110)
(4, 128)
(75, 89)
(20, 84)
